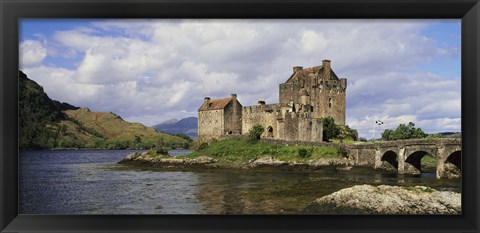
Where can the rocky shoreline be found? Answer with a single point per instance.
(387, 200)
(205, 162)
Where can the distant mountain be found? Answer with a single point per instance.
(187, 126)
(451, 134)
(46, 124)
(170, 122)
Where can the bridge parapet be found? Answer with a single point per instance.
(401, 143)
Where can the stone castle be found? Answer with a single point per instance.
(309, 95)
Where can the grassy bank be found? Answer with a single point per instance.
(241, 150)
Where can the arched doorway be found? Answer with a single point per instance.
(269, 132)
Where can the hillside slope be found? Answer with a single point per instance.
(47, 124)
(120, 132)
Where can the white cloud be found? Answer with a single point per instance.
(31, 53)
(161, 69)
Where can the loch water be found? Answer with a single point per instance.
(92, 182)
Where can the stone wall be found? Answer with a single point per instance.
(265, 115)
(363, 157)
(328, 98)
(210, 124)
(233, 118)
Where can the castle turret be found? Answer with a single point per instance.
(343, 83)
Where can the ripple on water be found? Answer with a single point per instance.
(91, 182)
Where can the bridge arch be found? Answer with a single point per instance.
(455, 158)
(390, 157)
(415, 159)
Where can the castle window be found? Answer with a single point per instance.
(329, 102)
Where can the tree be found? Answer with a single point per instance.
(160, 147)
(347, 133)
(403, 132)
(387, 135)
(255, 132)
(330, 129)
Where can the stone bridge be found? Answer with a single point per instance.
(405, 156)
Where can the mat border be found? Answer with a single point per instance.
(13, 10)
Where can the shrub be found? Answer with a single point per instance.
(255, 132)
(304, 153)
(330, 129)
(158, 151)
(342, 150)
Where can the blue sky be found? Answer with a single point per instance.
(150, 71)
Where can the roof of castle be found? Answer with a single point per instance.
(215, 104)
(305, 72)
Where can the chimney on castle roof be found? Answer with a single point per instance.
(234, 96)
(261, 101)
(326, 69)
(296, 69)
(207, 99)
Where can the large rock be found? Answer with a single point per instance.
(163, 161)
(384, 199)
(267, 161)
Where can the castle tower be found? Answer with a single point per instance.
(326, 92)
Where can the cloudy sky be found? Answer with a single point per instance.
(150, 71)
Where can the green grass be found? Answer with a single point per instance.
(345, 141)
(429, 163)
(421, 189)
(241, 150)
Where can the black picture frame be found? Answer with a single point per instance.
(13, 10)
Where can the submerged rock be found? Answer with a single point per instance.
(385, 199)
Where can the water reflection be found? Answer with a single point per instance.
(237, 192)
(91, 182)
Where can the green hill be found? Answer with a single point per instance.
(49, 124)
(120, 133)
